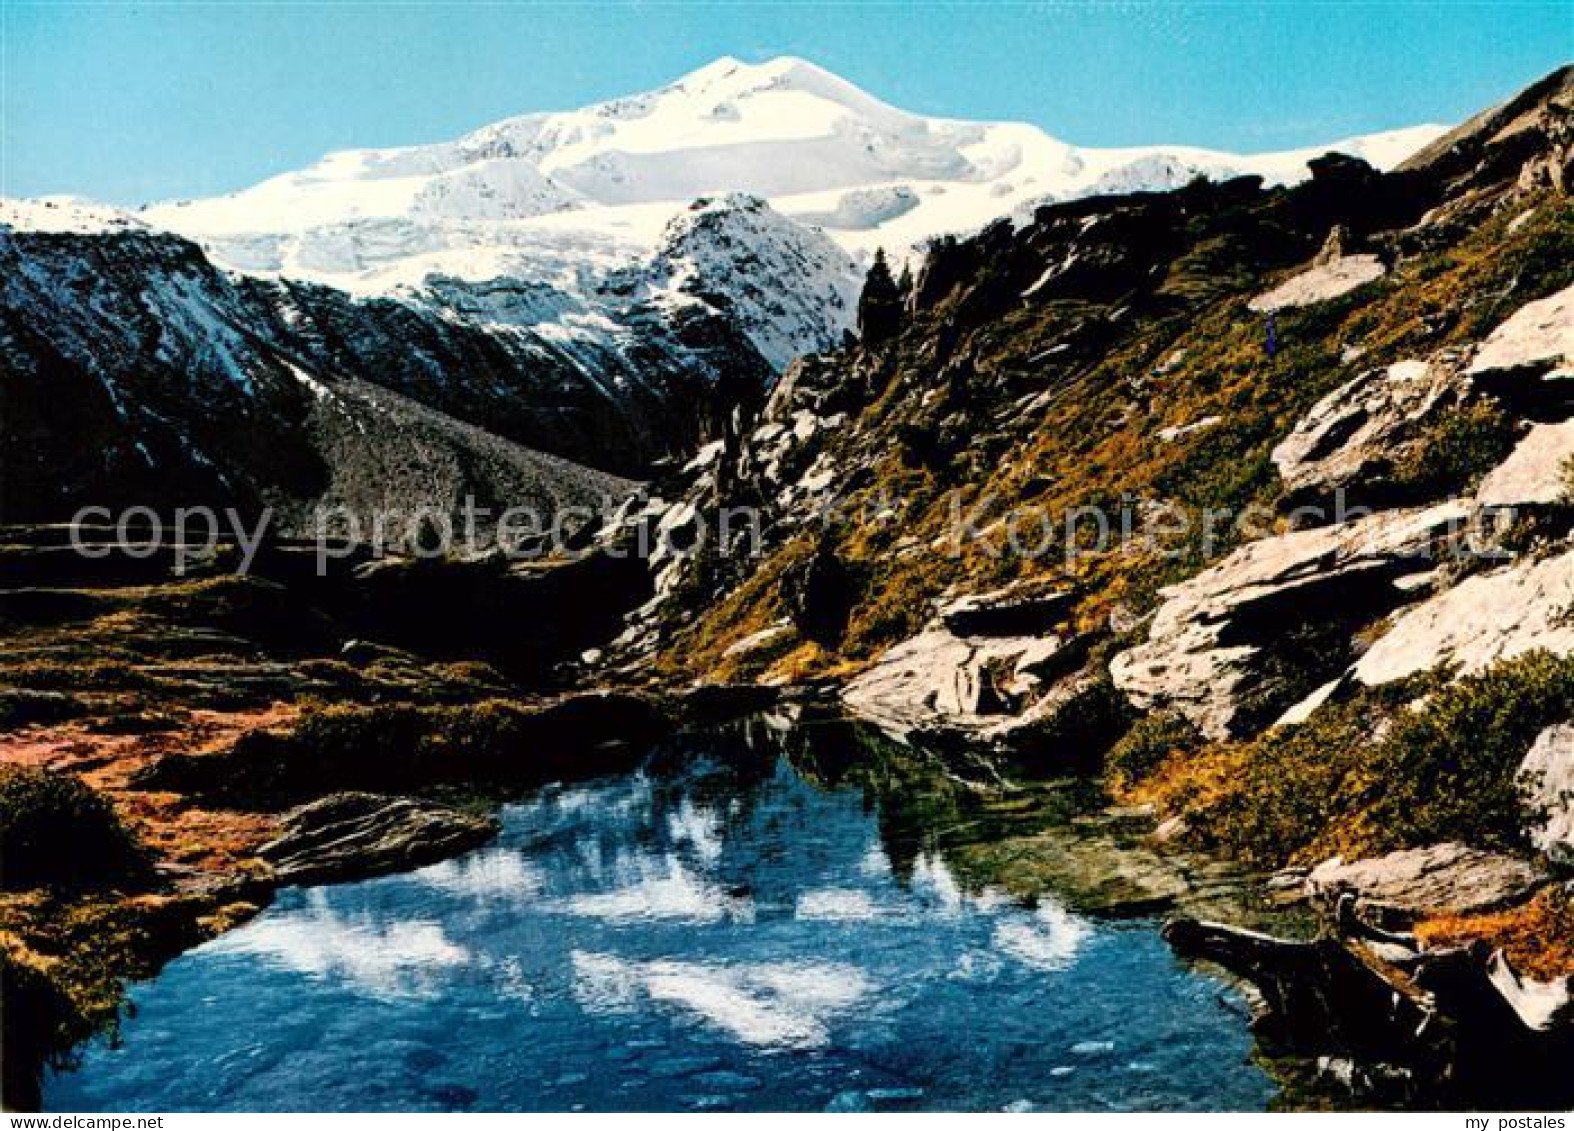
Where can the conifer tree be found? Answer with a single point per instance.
(880, 306)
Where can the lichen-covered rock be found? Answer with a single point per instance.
(1548, 774)
(1442, 879)
(1492, 616)
(1211, 640)
(365, 834)
(1534, 474)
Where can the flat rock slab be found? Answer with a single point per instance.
(1213, 636)
(1538, 336)
(1396, 890)
(1533, 474)
(1489, 617)
(354, 835)
(1351, 436)
(1320, 283)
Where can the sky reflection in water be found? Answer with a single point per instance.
(713, 933)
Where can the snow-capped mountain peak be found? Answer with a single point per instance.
(570, 201)
(789, 288)
(816, 146)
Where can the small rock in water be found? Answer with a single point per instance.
(366, 834)
(1092, 1048)
(887, 1095)
(849, 1101)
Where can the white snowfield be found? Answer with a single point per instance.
(602, 182)
(575, 202)
(65, 214)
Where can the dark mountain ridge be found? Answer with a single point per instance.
(137, 373)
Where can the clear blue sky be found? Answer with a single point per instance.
(130, 102)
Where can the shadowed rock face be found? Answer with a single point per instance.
(1414, 1028)
(1466, 149)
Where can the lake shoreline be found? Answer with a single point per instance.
(1129, 893)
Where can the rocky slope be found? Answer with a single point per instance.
(1220, 344)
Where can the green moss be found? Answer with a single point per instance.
(1456, 452)
(1450, 770)
(64, 962)
(1148, 744)
(1290, 787)
(493, 744)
